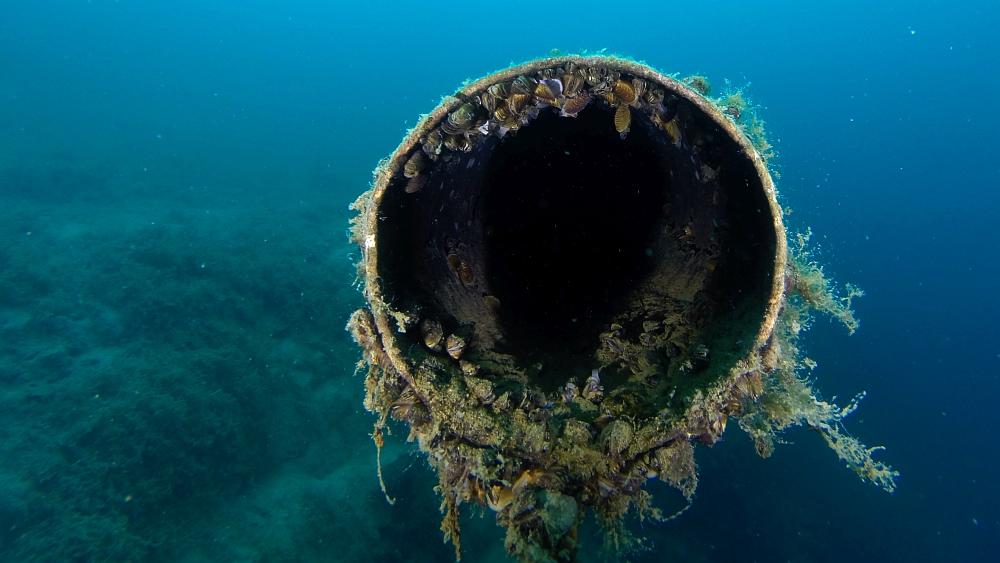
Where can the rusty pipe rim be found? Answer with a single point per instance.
(392, 168)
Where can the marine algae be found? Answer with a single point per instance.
(670, 373)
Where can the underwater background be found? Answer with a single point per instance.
(175, 380)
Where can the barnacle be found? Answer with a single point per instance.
(649, 296)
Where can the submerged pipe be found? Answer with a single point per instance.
(574, 270)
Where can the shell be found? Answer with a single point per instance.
(594, 75)
(462, 268)
(657, 119)
(764, 446)
(500, 90)
(488, 101)
(606, 83)
(549, 89)
(474, 136)
(502, 403)
(718, 425)
(750, 386)
(617, 436)
(572, 84)
(601, 88)
(499, 498)
(455, 345)
(707, 175)
(613, 345)
(481, 389)
(606, 486)
(468, 368)
(576, 433)
(733, 406)
(603, 420)
(623, 118)
(593, 390)
(522, 85)
(463, 117)
(415, 183)
(512, 125)
(457, 143)
(624, 92)
(433, 333)
(454, 261)
(674, 131)
(400, 409)
(414, 165)
(573, 106)
(542, 92)
(432, 143)
(653, 95)
(548, 73)
(517, 103)
(640, 86)
(569, 392)
(460, 120)
(502, 113)
(450, 129)
(492, 302)
(465, 273)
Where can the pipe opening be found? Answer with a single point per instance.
(642, 248)
(571, 212)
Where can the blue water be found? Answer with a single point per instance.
(175, 381)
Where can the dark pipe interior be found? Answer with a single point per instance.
(571, 211)
(569, 228)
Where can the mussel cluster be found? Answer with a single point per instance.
(507, 106)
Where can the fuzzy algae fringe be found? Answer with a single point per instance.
(541, 458)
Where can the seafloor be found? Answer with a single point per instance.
(176, 383)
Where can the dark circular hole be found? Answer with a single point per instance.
(571, 210)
